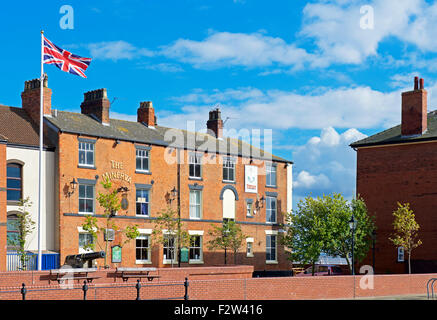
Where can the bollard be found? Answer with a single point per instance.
(138, 286)
(23, 291)
(186, 289)
(85, 289)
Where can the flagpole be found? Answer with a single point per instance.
(41, 132)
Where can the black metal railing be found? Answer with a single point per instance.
(85, 287)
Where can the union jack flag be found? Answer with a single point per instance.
(64, 60)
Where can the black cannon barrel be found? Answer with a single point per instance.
(77, 260)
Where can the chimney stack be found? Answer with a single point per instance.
(146, 114)
(414, 110)
(31, 96)
(96, 103)
(215, 123)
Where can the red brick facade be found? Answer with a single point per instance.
(404, 173)
(163, 178)
(3, 209)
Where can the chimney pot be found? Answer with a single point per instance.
(416, 83)
(96, 103)
(30, 98)
(146, 114)
(414, 110)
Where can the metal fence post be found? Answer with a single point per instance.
(138, 286)
(23, 291)
(85, 289)
(186, 289)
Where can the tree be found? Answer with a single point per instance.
(406, 230)
(25, 226)
(110, 202)
(321, 225)
(339, 236)
(226, 236)
(306, 232)
(167, 227)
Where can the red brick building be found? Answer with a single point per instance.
(400, 165)
(209, 175)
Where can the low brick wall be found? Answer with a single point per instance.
(213, 283)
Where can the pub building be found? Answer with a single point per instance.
(205, 177)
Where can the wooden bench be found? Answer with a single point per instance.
(61, 275)
(127, 273)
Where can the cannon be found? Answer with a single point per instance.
(78, 260)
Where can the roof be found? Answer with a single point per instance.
(123, 130)
(17, 128)
(394, 136)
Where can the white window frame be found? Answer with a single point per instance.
(175, 253)
(83, 148)
(249, 247)
(142, 200)
(197, 162)
(401, 254)
(86, 198)
(270, 169)
(229, 164)
(143, 236)
(269, 210)
(249, 208)
(81, 249)
(144, 155)
(200, 248)
(270, 234)
(196, 206)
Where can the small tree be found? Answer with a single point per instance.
(406, 230)
(167, 220)
(110, 202)
(25, 226)
(226, 236)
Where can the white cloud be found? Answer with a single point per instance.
(326, 164)
(117, 50)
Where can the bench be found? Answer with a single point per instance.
(138, 273)
(61, 275)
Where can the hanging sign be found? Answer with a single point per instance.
(251, 179)
(116, 254)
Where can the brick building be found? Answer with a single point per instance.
(400, 165)
(213, 178)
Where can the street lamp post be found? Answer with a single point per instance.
(373, 249)
(352, 226)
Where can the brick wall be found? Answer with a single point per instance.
(404, 173)
(3, 215)
(164, 178)
(231, 283)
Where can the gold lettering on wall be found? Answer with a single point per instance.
(117, 175)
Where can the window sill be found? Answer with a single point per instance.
(169, 262)
(143, 262)
(142, 215)
(271, 262)
(250, 255)
(229, 182)
(143, 172)
(195, 178)
(247, 216)
(12, 203)
(195, 218)
(82, 166)
(272, 187)
(196, 262)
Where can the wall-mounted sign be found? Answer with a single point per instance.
(124, 202)
(116, 254)
(250, 179)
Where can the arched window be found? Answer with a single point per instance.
(14, 184)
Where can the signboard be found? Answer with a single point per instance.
(184, 254)
(116, 254)
(251, 179)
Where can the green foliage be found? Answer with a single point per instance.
(111, 203)
(167, 220)
(321, 225)
(406, 230)
(226, 236)
(25, 226)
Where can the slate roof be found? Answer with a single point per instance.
(17, 128)
(123, 130)
(393, 135)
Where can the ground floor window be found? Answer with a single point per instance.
(85, 239)
(142, 254)
(196, 248)
(271, 254)
(13, 232)
(169, 248)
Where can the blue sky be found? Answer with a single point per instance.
(311, 71)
